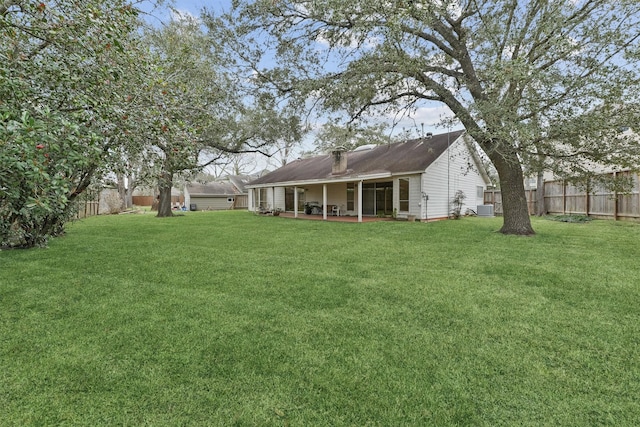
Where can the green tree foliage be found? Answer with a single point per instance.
(535, 83)
(60, 67)
(350, 137)
(196, 112)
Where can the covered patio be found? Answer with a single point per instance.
(333, 218)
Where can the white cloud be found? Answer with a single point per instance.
(184, 15)
(432, 119)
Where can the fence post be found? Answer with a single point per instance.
(588, 189)
(564, 197)
(615, 198)
(637, 213)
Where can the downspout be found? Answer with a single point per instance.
(360, 201)
(448, 170)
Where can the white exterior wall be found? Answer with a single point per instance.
(212, 203)
(251, 206)
(275, 198)
(336, 194)
(313, 194)
(449, 173)
(415, 196)
(278, 194)
(187, 197)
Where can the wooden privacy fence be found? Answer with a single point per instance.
(149, 200)
(596, 200)
(494, 197)
(87, 208)
(562, 198)
(143, 200)
(241, 201)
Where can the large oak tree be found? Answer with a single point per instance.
(196, 112)
(536, 83)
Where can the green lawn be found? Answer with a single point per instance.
(232, 319)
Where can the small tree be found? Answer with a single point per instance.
(456, 205)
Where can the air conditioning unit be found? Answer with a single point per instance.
(485, 210)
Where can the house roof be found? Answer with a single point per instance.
(239, 181)
(212, 189)
(401, 157)
(228, 186)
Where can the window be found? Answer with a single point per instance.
(289, 199)
(404, 195)
(480, 192)
(263, 198)
(350, 196)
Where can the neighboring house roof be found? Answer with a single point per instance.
(212, 189)
(402, 157)
(228, 186)
(239, 181)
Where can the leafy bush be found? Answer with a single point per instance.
(569, 218)
(34, 168)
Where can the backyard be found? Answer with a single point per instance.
(226, 318)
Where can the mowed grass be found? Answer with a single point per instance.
(232, 319)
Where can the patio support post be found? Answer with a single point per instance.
(324, 202)
(295, 202)
(273, 198)
(360, 201)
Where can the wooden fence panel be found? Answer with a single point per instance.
(241, 201)
(142, 200)
(629, 203)
(494, 197)
(564, 198)
(561, 197)
(554, 196)
(87, 208)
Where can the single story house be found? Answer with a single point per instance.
(416, 178)
(229, 193)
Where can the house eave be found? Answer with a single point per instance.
(320, 181)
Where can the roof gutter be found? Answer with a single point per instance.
(323, 181)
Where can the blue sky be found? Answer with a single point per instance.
(423, 120)
(429, 115)
(190, 6)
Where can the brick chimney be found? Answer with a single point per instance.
(339, 166)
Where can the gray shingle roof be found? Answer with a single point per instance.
(409, 156)
(212, 189)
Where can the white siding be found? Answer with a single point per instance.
(278, 202)
(415, 196)
(336, 194)
(212, 203)
(451, 172)
(251, 200)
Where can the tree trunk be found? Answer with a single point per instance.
(122, 190)
(164, 205)
(541, 209)
(128, 198)
(515, 211)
